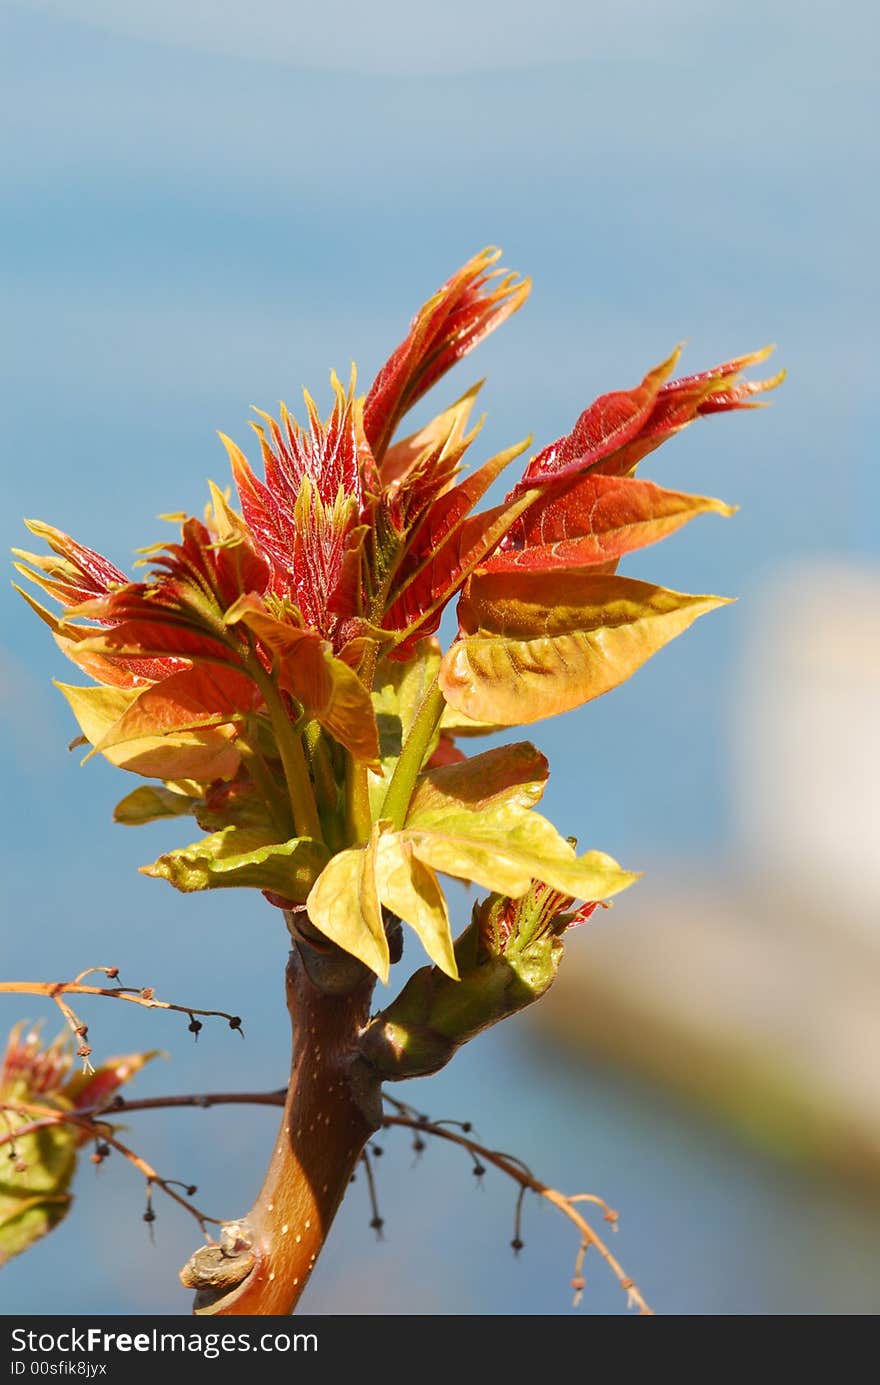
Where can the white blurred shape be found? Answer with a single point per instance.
(806, 743)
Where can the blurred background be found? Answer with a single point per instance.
(207, 206)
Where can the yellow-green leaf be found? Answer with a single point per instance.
(505, 850)
(537, 644)
(509, 774)
(457, 724)
(410, 889)
(149, 803)
(243, 857)
(344, 905)
(35, 1178)
(399, 687)
(203, 755)
(34, 1194)
(97, 708)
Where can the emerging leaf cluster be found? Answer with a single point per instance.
(276, 673)
(38, 1156)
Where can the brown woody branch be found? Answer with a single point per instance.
(58, 990)
(332, 1107)
(407, 1118)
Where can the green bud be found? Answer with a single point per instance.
(507, 959)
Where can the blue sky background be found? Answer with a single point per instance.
(198, 215)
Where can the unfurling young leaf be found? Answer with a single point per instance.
(507, 958)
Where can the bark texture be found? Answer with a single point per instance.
(263, 1262)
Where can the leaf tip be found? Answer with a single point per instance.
(450, 967)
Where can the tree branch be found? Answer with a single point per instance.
(332, 1106)
(57, 990)
(521, 1174)
(407, 1118)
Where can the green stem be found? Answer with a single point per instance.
(296, 771)
(357, 791)
(360, 819)
(326, 787)
(259, 771)
(406, 771)
(322, 770)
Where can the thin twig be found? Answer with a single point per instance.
(52, 989)
(526, 1179)
(377, 1221)
(57, 990)
(119, 1105)
(204, 1101)
(407, 1118)
(101, 1129)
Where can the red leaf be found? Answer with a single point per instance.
(450, 509)
(466, 309)
(444, 549)
(152, 638)
(447, 753)
(81, 574)
(308, 516)
(618, 430)
(333, 455)
(681, 401)
(121, 673)
(270, 522)
(186, 701)
(610, 422)
(419, 606)
(98, 1087)
(416, 471)
(595, 520)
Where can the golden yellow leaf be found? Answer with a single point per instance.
(410, 889)
(344, 905)
(540, 643)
